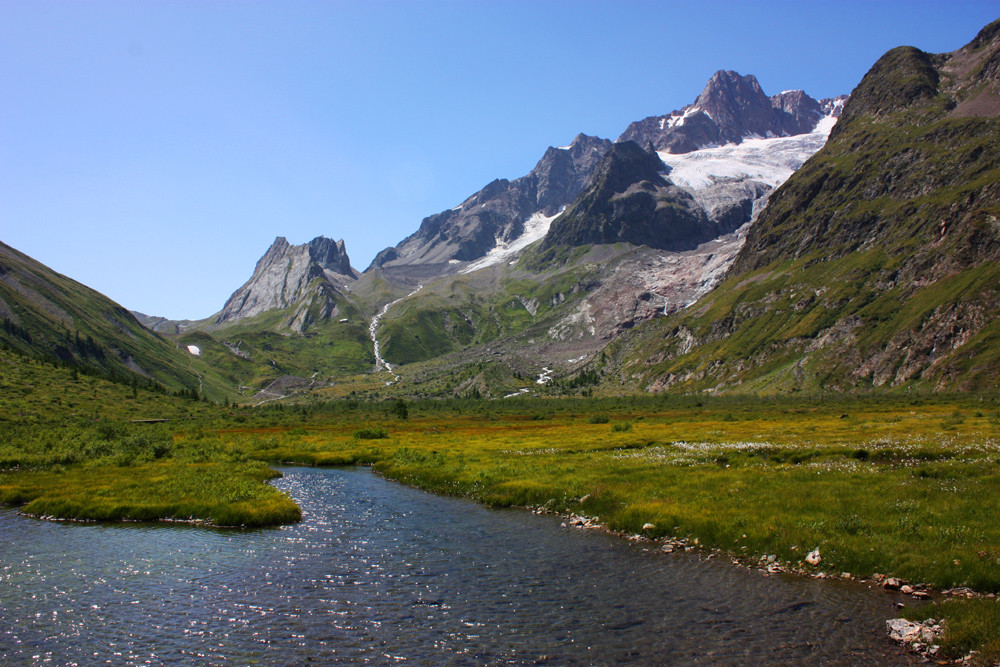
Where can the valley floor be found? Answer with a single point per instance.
(896, 487)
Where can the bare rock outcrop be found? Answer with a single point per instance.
(307, 276)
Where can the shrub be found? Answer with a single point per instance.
(598, 419)
(621, 427)
(371, 433)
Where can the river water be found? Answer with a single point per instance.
(379, 573)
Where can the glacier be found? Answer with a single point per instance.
(769, 160)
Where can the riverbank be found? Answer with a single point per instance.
(379, 572)
(975, 617)
(209, 494)
(901, 488)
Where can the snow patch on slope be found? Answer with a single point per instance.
(676, 118)
(768, 160)
(535, 228)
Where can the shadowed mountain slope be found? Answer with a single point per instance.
(876, 263)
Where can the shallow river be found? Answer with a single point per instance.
(378, 573)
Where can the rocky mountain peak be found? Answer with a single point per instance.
(727, 94)
(278, 248)
(292, 275)
(496, 214)
(331, 255)
(326, 253)
(628, 200)
(798, 105)
(563, 172)
(626, 163)
(731, 108)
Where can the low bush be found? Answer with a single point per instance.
(370, 433)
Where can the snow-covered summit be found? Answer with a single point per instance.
(730, 108)
(729, 148)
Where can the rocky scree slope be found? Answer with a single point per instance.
(875, 265)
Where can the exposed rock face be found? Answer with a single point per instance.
(875, 264)
(701, 193)
(650, 232)
(629, 201)
(729, 109)
(308, 276)
(162, 324)
(497, 213)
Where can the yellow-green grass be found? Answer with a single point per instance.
(219, 494)
(894, 486)
(902, 490)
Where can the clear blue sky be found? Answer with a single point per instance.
(153, 150)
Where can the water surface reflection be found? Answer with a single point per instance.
(379, 573)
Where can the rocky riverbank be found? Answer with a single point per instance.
(921, 637)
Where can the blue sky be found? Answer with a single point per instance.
(153, 150)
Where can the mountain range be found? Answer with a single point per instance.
(875, 266)
(743, 243)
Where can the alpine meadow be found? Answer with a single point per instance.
(762, 329)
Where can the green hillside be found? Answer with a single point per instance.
(46, 315)
(875, 265)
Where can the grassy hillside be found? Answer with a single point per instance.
(250, 353)
(503, 305)
(875, 265)
(256, 350)
(47, 315)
